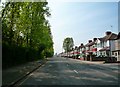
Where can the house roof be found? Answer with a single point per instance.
(76, 48)
(86, 45)
(105, 49)
(111, 36)
(90, 44)
(101, 39)
(81, 46)
(118, 36)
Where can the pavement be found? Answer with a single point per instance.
(12, 75)
(102, 64)
(97, 62)
(92, 62)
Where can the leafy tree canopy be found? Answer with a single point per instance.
(68, 44)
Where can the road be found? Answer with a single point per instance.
(66, 71)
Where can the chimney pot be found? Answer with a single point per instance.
(94, 39)
(90, 41)
(108, 32)
(81, 44)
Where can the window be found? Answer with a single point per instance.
(105, 44)
(94, 53)
(95, 45)
(82, 49)
(98, 44)
(112, 53)
(101, 45)
(115, 54)
(87, 48)
(118, 52)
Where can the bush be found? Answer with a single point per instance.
(15, 55)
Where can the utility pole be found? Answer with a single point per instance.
(110, 41)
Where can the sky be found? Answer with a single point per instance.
(82, 21)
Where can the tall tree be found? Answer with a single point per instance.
(68, 44)
(26, 31)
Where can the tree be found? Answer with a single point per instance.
(68, 44)
(26, 32)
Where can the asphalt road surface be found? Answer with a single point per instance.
(66, 71)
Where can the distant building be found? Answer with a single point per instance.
(82, 52)
(76, 52)
(105, 47)
(88, 52)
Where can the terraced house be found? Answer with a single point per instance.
(91, 49)
(82, 52)
(76, 52)
(116, 47)
(106, 44)
(88, 52)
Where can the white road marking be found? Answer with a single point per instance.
(75, 71)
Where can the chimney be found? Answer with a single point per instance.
(94, 39)
(75, 47)
(81, 44)
(90, 41)
(108, 32)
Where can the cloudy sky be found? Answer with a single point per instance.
(82, 20)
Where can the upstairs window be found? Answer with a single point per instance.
(87, 48)
(95, 45)
(112, 53)
(82, 49)
(98, 45)
(107, 43)
(118, 52)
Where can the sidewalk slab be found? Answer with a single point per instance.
(13, 74)
(89, 62)
(93, 62)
